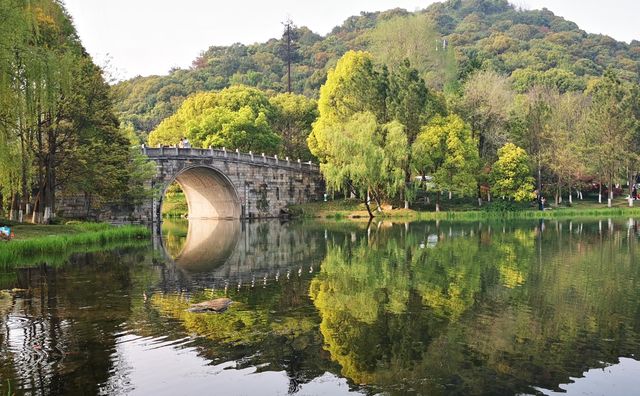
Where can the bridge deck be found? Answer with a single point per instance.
(234, 156)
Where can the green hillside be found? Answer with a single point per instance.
(451, 40)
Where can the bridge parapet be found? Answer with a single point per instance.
(226, 155)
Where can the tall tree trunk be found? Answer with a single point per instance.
(49, 195)
(24, 205)
(559, 190)
(288, 57)
(50, 175)
(600, 191)
(366, 199)
(367, 203)
(15, 207)
(37, 207)
(539, 185)
(610, 200)
(407, 181)
(630, 181)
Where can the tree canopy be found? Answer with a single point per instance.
(236, 117)
(58, 130)
(446, 43)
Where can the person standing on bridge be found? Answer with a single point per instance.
(184, 143)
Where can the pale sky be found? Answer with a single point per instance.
(145, 37)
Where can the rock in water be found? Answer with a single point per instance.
(218, 305)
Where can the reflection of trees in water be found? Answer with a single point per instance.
(59, 337)
(174, 234)
(429, 308)
(275, 318)
(272, 328)
(486, 304)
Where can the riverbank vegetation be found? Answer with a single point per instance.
(59, 134)
(372, 142)
(464, 209)
(34, 241)
(174, 203)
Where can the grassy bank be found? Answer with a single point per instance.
(34, 241)
(350, 209)
(175, 205)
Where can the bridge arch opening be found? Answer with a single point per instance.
(208, 192)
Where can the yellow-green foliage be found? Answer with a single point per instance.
(294, 116)
(236, 118)
(365, 288)
(237, 325)
(510, 174)
(446, 150)
(351, 87)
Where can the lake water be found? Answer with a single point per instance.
(531, 307)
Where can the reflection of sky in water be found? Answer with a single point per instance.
(618, 379)
(139, 360)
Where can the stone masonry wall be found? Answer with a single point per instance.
(265, 186)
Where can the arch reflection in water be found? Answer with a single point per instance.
(204, 252)
(206, 245)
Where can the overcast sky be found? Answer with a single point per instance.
(144, 37)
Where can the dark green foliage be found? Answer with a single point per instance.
(504, 206)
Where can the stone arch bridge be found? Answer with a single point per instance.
(221, 184)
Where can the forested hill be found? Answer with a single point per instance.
(449, 39)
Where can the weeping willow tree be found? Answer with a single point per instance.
(13, 32)
(57, 128)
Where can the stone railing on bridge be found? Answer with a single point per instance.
(226, 155)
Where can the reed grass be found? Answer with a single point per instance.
(88, 235)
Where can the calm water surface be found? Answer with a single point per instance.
(333, 308)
